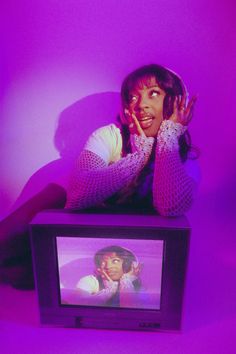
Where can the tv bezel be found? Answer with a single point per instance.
(175, 232)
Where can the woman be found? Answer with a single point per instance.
(144, 161)
(116, 280)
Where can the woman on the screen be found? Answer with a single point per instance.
(116, 281)
(144, 161)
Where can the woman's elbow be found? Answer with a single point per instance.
(173, 208)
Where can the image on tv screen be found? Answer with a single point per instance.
(123, 273)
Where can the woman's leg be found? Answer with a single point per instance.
(14, 233)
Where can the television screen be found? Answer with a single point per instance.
(107, 272)
(114, 271)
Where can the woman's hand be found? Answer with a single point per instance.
(183, 110)
(134, 126)
(135, 269)
(139, 142)
(101, 271)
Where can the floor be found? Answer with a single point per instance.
(209, 318)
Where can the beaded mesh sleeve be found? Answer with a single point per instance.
(93, 181)
(173, 188)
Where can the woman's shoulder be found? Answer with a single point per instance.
(106, 142)
(88, 283)
(110, 129)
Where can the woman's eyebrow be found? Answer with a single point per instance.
(148, 87)
(154, 86)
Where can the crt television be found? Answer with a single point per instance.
(109, 270)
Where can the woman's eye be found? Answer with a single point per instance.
(154, 93)
(115, 261)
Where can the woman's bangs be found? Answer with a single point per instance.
(141, 82)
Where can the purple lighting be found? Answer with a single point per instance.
(62, 64)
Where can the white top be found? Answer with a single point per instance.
(106, 142)
(89, 283)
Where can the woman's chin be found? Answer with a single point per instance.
(152, 131)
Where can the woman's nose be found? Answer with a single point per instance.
(108, 265)
(141, 104)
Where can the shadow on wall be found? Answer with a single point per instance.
(79, 120)
(221, 202)
(75, 124)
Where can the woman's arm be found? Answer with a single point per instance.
(93, 180)
(173, 187)
(130, 296)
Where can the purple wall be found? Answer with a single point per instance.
(55, 53)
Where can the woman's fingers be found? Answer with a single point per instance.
(133, 122)
(175, 113)
(183, 101)
(128, 115)
(103, 273)
(106, 276)
(136, 268)
(190, 107)
(137, 125)
(176, 105)
(130, 121)
(183, 111)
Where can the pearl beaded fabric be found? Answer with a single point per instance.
(93, 180)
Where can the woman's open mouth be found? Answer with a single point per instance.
(146, 122)
(113, 275)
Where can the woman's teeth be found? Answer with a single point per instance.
(145, 122)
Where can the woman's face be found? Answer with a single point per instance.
(112, 265)
(146, 102)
